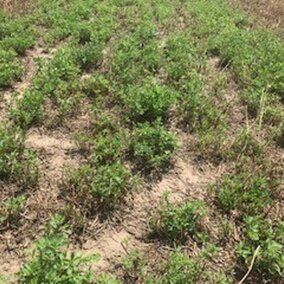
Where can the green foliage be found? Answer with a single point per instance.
(16, 36)
(245, 144)
(254, 55)
(106, 185)
(61, 20)
(148, 101)
(96, 85)
(134, 265)
(109, 148)
(51, 263)
(105, 278)
(11, 210)
(84, 33)
(60, 72)
(17, 33)
(180, 269)
(10, 68)
(55, 81)
(17, 163)
(249, 194)
(177, 222)
(28, 110)
(200, 113)
(152, 145)
(278, 134)
(89, 55)
(19, 43)
(260, 232)
(137, 55)
(181, 57)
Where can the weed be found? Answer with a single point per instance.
(101, 121)
(17, 163)
(89, 55)
(177, 222)
(11, 210)
(212, 143)
(278, 134)
(135, 57)
(180, 269)
(181, 57)
(84, 33)
(249, 194)
(200, 113)
(75, 218)
(245, 144)
(134, 265)
(152, 146)
(105, 185)
(105, 278)
(19, 43)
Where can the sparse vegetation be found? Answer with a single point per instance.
(105, 106)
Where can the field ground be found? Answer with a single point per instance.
(271, 12)
(141, 141)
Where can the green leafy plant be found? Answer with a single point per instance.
(105, 278)
(10, 68)
(245, 144)
(51, 263)
(28, 110)
(260, 232)
(136, 56)
(152, 145)
(89, 55)
(95, 86)
(181, 55)
(109, 148)
(148, 101)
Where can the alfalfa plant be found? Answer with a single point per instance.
(10, 68)
(152, 146)
(269, 237)
(149, 101)
(52, 263)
